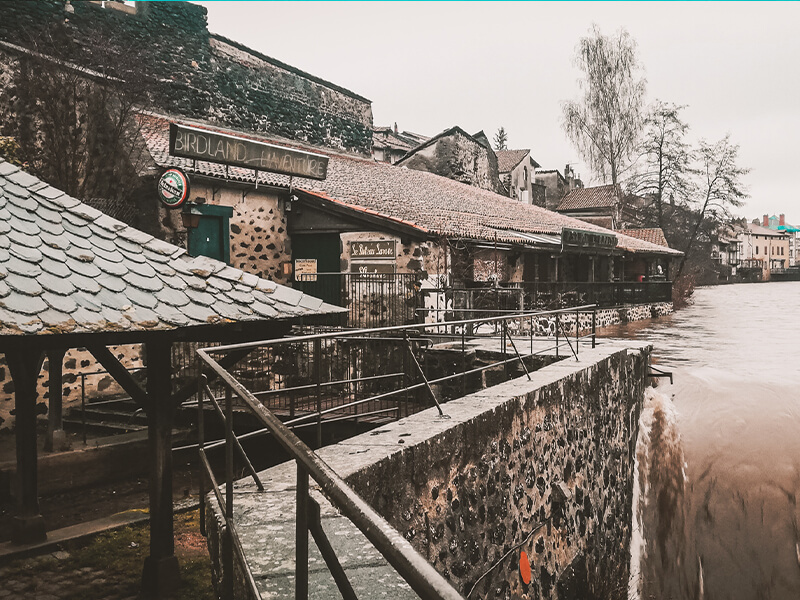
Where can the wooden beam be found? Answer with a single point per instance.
(24, 365)
(160, 576)
(120, 374)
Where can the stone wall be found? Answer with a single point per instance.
(77, 362)
(559, 456)
(542, 466)
(197, 74)
(460, 157)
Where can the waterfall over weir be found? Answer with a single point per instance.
(661, 548)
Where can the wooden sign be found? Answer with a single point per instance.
(373, 249)
(580, 238)
(372, 268)
(305, 269)
(201, 144)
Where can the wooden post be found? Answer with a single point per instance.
(55, 428)
(160, 576)
(24, 365)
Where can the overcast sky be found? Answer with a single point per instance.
(429, 66)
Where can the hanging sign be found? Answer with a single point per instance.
(201, 144)
(173, 188)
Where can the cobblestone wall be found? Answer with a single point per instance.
(548, 471)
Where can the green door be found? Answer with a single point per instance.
(325, 248)
(211, 237)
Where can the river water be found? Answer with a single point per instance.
(716, 501)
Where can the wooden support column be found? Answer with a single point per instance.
(28, 524)
(161, 575)
(56, 437)
(592, 260)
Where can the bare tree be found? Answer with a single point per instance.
(74, 123)
(501, 139)
(720, 186)
(663, 171)
(606, 122)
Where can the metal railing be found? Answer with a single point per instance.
(544, 295)
(372, 299)
(408, 342)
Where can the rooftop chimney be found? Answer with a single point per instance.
(782, 222)
(766, 220)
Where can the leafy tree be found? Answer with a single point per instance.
(664, 171)
(606, 122)
(719, 189)
(501, 139)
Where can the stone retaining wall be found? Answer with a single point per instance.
(542, 466)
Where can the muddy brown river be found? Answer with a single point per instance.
(716, 507)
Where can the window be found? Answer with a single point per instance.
(756, 249)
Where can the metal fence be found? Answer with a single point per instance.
(539, 295)
(387, 372)
(386, 299)
(372, 299)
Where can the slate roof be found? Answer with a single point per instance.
(65, 267)
(433, 204)
(601, 196)
(653, 235)
(508, 159)
(761, 230)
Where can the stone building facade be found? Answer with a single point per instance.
(457, 155)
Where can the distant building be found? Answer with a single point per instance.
(764, 248)
(779, 224)
(557, 185)
(603, 205)
(457, 155)
(517, 174)
(390, 145)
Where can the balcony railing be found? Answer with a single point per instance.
(379, 300)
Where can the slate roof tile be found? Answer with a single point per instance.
(65, 267)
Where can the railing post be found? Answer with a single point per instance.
(577, 331)
(318, 379)
(594, 327)
(83, 406)
(301, 535)
(463, 364)
(503, 334)
(227, 554)
(201, 436)
(557, 328)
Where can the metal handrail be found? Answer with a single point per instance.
(412, 567)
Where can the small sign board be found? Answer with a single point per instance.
(373, 249)
(173, 188)
(305, 269)
(372, 268)
(201, 144)
(580, 238)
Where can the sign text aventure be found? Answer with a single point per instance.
(190, 142)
